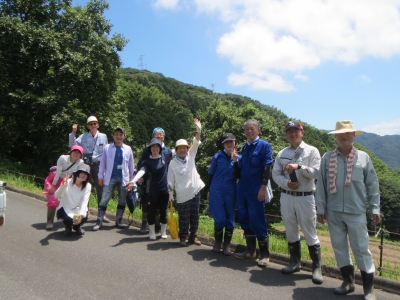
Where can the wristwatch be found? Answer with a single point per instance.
(299, 166)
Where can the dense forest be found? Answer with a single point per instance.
(59, 65)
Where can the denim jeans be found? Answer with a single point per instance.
(109, 189)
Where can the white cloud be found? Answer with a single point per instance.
(384, 128)
(267, 81)
(286, 37)
(364, 78)
(165, 4)
(301, 77)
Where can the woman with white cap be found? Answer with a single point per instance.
(66, 165)
(74, 193)
(184, 179)
(222, 194)
(156, 166)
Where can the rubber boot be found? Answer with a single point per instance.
(50, 218)
(143, 227)
(263, 244)
(217, 240)
(163, 231)
(250, 251)
(152, 232)
(99, 222)
(106, 220)
(118, 217)
(227, 242)
(368, 285)
(295, 257)
(144, 216)
(315, 254)
(348, 281)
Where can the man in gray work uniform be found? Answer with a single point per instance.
(346, 182)
(295, 170)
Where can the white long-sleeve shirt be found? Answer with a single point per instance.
(74, 200)
(183, 178)
(63, 163)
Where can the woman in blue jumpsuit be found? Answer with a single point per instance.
(222, 194)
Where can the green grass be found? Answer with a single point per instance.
(278, 243)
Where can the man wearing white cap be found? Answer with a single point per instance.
(346, 181)
(295, 170)
(93, 143)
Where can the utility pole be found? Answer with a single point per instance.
(141, 65)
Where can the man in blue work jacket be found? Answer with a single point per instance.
(255, 165)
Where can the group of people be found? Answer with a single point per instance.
(238, 187)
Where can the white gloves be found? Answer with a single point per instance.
(198, 125)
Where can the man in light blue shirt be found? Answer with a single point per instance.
(115, 171)
(93, 143)
(346, 182)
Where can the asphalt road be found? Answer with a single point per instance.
(122, 264)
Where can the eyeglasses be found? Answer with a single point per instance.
(91, 124)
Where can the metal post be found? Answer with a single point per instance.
(2, 202)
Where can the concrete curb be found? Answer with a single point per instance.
(387, 285)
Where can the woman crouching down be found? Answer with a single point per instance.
(74, 193)
(66, 164)
(156, 167)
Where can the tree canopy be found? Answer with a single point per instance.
(58, 66)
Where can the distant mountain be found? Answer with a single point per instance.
(387, 147)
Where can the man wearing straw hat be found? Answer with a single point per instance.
(346, 181)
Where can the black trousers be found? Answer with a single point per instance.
(157, 201)
(68, 222)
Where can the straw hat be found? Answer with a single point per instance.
(345, 126)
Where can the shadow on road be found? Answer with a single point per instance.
(320, 293)
(261, 276)
(59, 236)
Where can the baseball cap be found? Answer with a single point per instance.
(294, 124)
(77, 147)
(227, 137)
(91, 119)
(119, 129)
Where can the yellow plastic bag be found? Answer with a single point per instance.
(172, 223)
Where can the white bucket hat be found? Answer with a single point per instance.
(345, 126)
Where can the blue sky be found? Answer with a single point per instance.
(316, 60)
